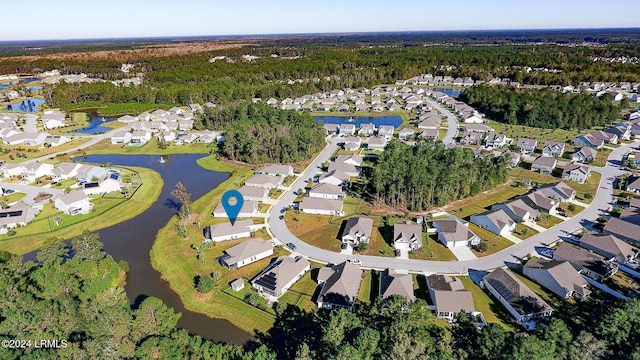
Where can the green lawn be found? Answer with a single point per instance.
(524, 232)
(492, 310)
(495, 243)
(548, 221)
(432, 249)
(483, 201)
(150, 148)
(590, 186)
(16, 196)
(316, 230)
(107, 212)
(364, 294)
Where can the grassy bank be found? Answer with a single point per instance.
(108, 212)
(174, 258)
(109, 109)
(150, 148)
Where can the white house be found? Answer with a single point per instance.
(279, 276)
(140, 137)
(73, 203)
(120, 136)
(34, 170)
(498, 222)
(225, 231)
(52, 119)
(321, 206)
(245, 253)
(576, 172)
(407, 236)
(249, 209)
(109, 184)
(327, 191)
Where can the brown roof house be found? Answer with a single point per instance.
(559, 192)
(245, 253)
(453, 232)
(588, 263)
(407, 236)
(625, 230)
(559, 277)
(527, 146)
(280, 275)
(517, 210)
(498, 222)
(553, 148)
(544, 165)
(395, 283)
(576, 172)
(340, 286)
(610, 247)
(521, 302)
(449, 296)
(357, 230)
(541, 202)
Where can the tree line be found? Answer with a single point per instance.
(544, 108)
(420, 177)
(260, 134)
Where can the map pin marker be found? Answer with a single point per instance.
(232, 202)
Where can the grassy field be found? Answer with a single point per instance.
(547, 221)
(108, 109)
(107, 212)
(176, 261)
(315, 229)
(479, 203)
(150, 148)
(590, 186)
(16, 196)
(432, 249)
(542, 135)
(524, 232)
(33, 152)
(492, 310)
(495, 243)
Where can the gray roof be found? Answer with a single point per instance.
(246, 249)
(393, 283)
(263, 179)
(280, 273)
(224, 229)
(341, 288)
(623, 229)
(545, 161)
(18, 213)
(278, 169)
(582, 258)
(325, 188)
(73, 197)
(321, 204)
(338, 174)
(608, 245)
(562, 272)
(353, 157)
(449, 295)
(516, 293)
(453, 230)
(346, 168)
(253, 191)
(358, 226)
(406, 232)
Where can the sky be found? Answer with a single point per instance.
(88, 19)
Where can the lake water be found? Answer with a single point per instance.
(27, 105)
(450, 92)
(95, 125)
(132, 240)
(396, 121)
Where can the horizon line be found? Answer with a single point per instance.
(303, 34)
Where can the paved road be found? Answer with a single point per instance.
(599, 205)
(30, 126)
(452, 130)
(30, 190)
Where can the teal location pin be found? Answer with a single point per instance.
(232, 209)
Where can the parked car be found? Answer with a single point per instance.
(343, 246)
(291, 246)
(355, 261)
(396, 252)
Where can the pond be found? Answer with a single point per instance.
(95, 124)
(449, 91)
(395, 121)
(26, 105)
(132, 240)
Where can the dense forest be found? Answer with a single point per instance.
(306, 68)
(76, 294)
(258, 133)
(544, 108)
(428, 174)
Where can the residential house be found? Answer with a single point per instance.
(336, 177)
(517, 210)
(140, 137)
(559, 277)
(633, 184)
(494, 140)
(279, 276)
(225, 231)
(430, 123)
(352, 143)
(407, 236)
(376, 143)
(558, 191)
(248, 209)
(596, 139)
(479, 128)
(588, 263)
(348, 169)
(357, 230)
(11, 169)
(453, 232)
(351, 159)
(340, 286)
(394, 283)
(26, 139)
(513, 158)
(73, 203)
(321, 206)
(366, 129)
(88, 172)
(544, 165)
(610, 247)
(253, 193)
(584, 155)
(449, 296)
(331, 128)
(19, 214)
(576, 172)
(622, 131)
(471, 138)
(347, 129)
(406, 133)
(326, 191)
(110, 183)
(34, 170)
(120, 136)
(519, 300)
(185, 138)
(65, 170)
(386, 131)
(276, 170)
(553, 149)
(55, 140)
(541, 202)
(245, 253)
(265, 181)
(498, 222)
(527, 146)
(429, 134)
(52, 119)
(625, 230)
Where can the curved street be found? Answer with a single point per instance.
(452, 128)
(601, 202)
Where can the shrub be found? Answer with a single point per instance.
(204, 283)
